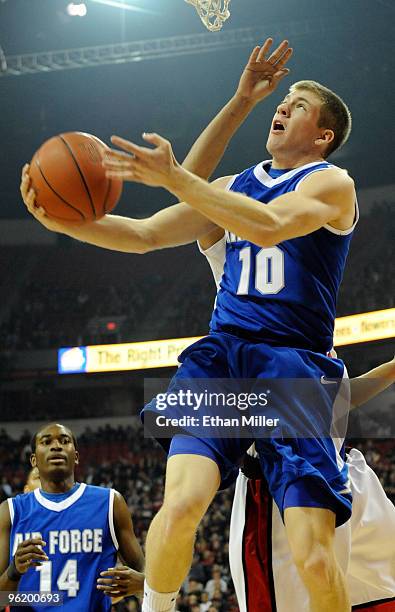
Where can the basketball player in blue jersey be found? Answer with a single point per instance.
(287, 241)
(60, 538)
(289, 223)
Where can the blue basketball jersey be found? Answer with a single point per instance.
(284, 295)
(80, 541)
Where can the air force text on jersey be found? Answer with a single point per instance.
(66, 541)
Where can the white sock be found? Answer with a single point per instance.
(158, 602)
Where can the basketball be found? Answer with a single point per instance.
(69, 179)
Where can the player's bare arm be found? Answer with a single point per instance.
(260, 78)
(127, 579)
(26, 555)
(173, 226)
(368, 385)
(326, 197)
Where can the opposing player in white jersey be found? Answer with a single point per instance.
(61, 537)
(263, 572)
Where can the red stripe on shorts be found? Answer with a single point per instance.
(257, 549)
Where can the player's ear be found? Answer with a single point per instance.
(33, 460)
(327, 136)
(77, 458)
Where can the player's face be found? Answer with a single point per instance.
(55, 455)
(294, 127)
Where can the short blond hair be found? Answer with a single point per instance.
(334, 113)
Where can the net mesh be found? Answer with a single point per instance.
(213, 13)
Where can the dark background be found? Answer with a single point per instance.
(346, 45)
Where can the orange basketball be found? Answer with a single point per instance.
(69, 179)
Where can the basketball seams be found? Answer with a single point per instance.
(80, 173)
(56, 166)
(54, 191)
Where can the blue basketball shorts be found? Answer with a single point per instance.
(302, 467)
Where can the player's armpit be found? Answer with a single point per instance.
(129, 548)
(208, 240)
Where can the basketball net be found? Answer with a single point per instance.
(213, 13)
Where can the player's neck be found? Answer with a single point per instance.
(58, 486)
(288, 162)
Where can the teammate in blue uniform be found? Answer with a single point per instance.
(289, 223)
(59, 538)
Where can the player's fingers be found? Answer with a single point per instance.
(120, 175)
(278, 53)
(28, 558)
(155, 139)
(31, 549)
(128, 146)
(284, 59)
(280, 74)
(31, 198)
(116, 164)
(109, 590)
(113, 155)
(25, 171)
(25, 184)
(253, 57)
(31, 542)
(265, 49)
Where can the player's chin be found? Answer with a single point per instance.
(274, 143)
(59, 471)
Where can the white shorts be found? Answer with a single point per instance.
(266, 579)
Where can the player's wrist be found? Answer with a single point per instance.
(243, 101)
(12, 572)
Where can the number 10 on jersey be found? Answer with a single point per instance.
(269, 271)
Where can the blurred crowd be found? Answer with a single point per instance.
(93, 297)
(134, 465)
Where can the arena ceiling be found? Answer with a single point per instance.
(180, 75)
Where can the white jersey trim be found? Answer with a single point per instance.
(231, 181)
(111, 518)
(62, 505)
(237, 523)
(264, 178)
(11, 509)
(215, 256)
(328, 227)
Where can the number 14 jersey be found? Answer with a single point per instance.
(78, 529)
(283, 295)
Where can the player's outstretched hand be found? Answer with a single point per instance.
(121, 581)
(151, 166)
(262, 74)
(28, 554)
(29, 199)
